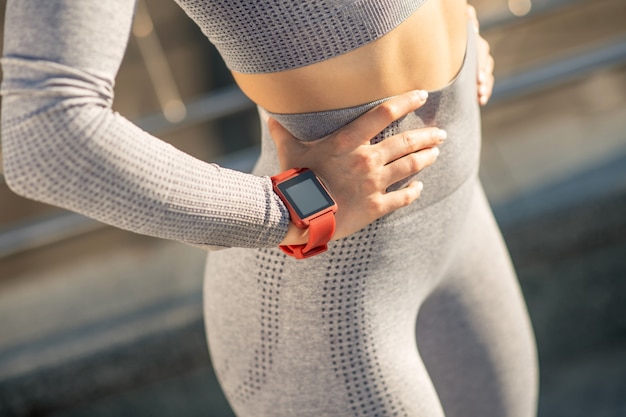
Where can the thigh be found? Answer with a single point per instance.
(474, 333)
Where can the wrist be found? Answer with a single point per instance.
(311, 209)
(295, 235)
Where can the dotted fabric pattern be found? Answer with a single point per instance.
(277, 35)
(346, 331)
(353, 350)
(269, 287)
(348, 335)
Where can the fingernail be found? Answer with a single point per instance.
(423, 95)
(483, 90)
(420, 186)
(441, 134)
(435, 151)
(482, 77)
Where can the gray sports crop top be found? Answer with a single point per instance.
(255, 36)
(63, 145)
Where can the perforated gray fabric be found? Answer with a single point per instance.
(277, 35)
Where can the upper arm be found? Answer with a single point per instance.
(89, 35)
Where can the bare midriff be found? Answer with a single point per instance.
(424, 52)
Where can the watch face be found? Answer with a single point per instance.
(306, 194)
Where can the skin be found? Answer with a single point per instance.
(357, 173)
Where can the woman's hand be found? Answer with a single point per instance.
(485, 61)
(357, 173)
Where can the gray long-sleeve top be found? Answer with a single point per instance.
(63, 145)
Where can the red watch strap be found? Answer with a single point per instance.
(321, 230)
(286, 174)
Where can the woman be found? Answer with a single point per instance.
(333, 335)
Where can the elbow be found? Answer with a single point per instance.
(36, 152)
(8, 165)
(17, 186)
(42, 143)
(9, 177)
(17, 166)
(49, 113)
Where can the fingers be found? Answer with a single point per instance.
(410, 164)
(408, 142)
(278, 132)
(485, 61)
(394, 200)
(485, 71)
(290, 150)
(485, 86)
(408, 153)
(363, 129)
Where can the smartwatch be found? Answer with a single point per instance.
(310, 206)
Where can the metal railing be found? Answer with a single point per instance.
(552, 74)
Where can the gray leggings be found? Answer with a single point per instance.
(419, 314)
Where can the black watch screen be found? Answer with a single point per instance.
(306, 194)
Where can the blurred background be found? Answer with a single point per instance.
(95, 321)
